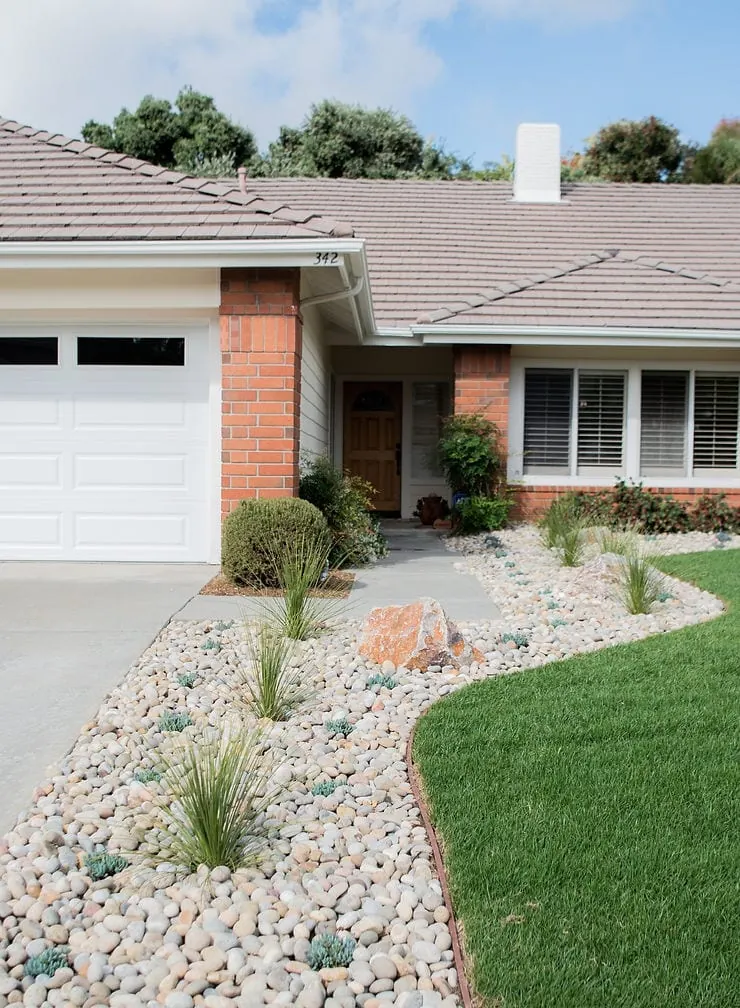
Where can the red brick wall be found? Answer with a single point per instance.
(532, 501)
(261, 370)
(482, 383)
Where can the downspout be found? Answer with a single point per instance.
(348, 292)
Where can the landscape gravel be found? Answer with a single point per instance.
(356, 862)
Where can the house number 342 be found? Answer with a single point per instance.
(326, 259)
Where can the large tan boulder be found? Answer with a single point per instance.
(416, 636)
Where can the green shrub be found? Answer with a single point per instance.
(651, 512)
(327, 951)
(217, 796)
(480, 514)
(174, 721)
(469, 455)
(100, 866)
(47, 962)
(345, 501)
(271, 688)
(712, 513)
(259, 530)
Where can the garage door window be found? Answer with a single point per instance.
(29, 350)
(124, 351)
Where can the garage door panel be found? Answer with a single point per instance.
(126, 531)
(104, 463)
(30, 471)
(22, 533)
(131, 472)
(35, 411)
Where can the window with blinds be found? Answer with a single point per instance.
(716, 421)
(601, 400)
(547, 419)
(663, 416)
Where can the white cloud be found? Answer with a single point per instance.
(63, 63)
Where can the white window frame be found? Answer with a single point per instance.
(631, 467)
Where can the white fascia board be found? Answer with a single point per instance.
(578, 336)
(362, 302)
(187, 253)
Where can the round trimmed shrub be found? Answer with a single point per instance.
(259, 531)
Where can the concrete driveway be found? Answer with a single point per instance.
(68, 633)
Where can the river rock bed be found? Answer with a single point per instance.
(356, 862)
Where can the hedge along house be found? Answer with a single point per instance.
(169, 345)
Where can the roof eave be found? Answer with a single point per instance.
(544, 336)
(193, 253)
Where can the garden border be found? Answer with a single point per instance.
(457, 951)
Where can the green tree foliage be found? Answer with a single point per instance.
(648, 150)
(337, 140)
(719, 161)
(193, 136)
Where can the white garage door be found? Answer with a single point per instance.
(104, 444)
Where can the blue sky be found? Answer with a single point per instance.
(466, 71)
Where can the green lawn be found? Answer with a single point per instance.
(588, 810)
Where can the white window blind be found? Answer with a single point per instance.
(547, 420)
(716, 421)
(429, 404)
(601, 398)
(663, 417)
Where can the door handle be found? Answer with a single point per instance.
(398, 458)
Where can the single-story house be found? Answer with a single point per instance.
(170, 345)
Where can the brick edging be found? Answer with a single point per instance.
(457, 952)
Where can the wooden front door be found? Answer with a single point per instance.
(372, 438)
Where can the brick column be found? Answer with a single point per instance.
(482, 384)
(261, 372)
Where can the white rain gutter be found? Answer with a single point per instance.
(575, 336)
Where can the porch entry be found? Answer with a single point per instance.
(372, 438)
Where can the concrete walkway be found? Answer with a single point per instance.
(418, 565)
(68, 634)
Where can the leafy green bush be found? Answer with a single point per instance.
(469, 455)
(47, 962)
(712, 513)
(480, 514)
(100, 866)
(259, 530)
(652, 512)
(217, 796)
(345, 501)
(327, 951)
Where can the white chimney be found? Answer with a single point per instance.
(537, 165)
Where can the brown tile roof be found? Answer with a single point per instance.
(463, 252)
(52, 187)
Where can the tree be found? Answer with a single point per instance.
(719, 161)
(337, 140)
(194, 137)
(648, 150)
